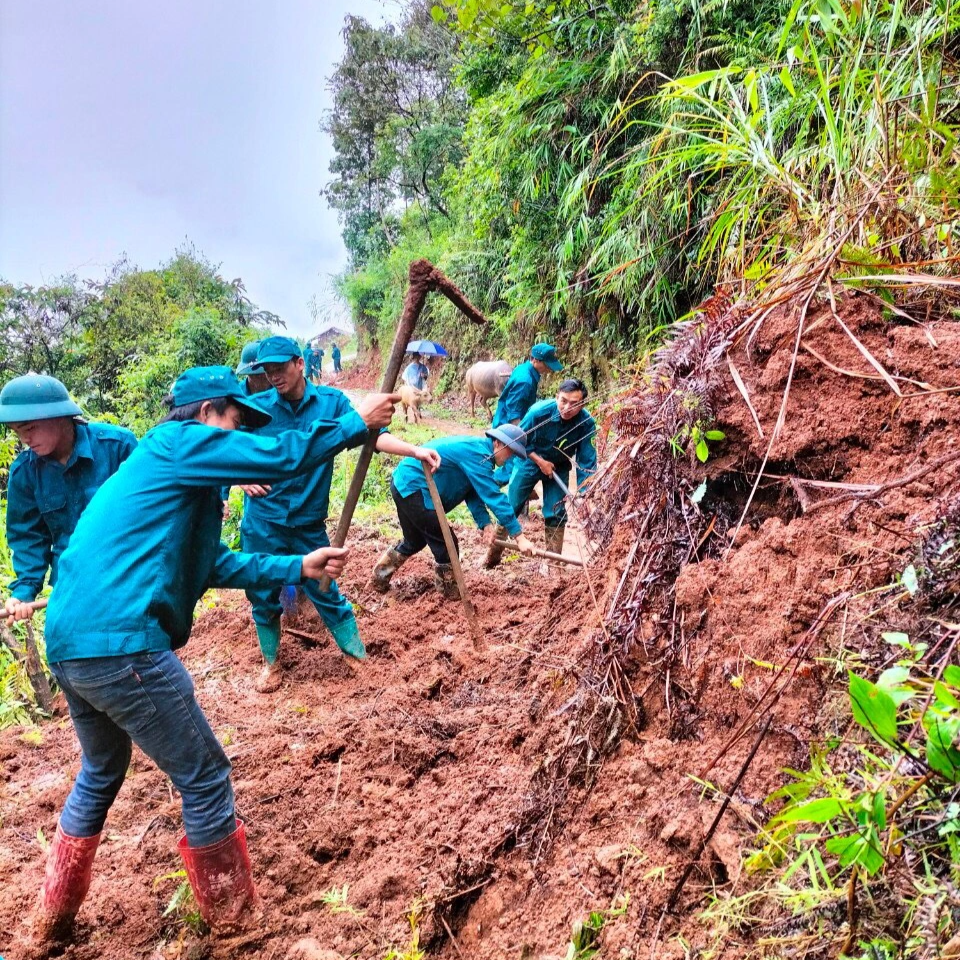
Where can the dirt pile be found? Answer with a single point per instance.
(501, 794)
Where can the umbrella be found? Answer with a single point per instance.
(426, 347)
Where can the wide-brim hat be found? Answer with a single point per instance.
(35, 397)
(207, 383)
(248, 360)
(278, 350)
(512, 436)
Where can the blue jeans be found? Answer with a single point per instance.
(333, 606)
(526, 475)
(146, 698)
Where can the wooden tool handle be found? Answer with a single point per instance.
(34, 607)
(543, 554)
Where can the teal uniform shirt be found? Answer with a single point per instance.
(300, 501)
(557, 440)
(465, 476)
(148, 545)
(45, 499)
(335, 353)
(519, 394)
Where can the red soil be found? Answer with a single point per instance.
(409, 775)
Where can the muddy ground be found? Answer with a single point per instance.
(409, 779)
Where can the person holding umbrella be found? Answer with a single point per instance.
(416, 373)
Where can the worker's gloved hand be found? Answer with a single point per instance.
(430, 457)
(255, 489)
(489, 534)
(17, 609)
(377, 409)
(326, 560)
(525, 546)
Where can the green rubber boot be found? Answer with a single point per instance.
(347, 637)
(271, 676)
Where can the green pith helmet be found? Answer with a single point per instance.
(35, 397)
(248, 360)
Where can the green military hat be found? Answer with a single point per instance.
(278, 350)
(207, 383)
(248, 360)
(35, 397)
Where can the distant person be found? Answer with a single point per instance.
(255, 380)
(50, 484)
(144, 552)
(417, 372)
(291, 516)
(519, 393)
(465, 476)
(557, 433)
(335, 354)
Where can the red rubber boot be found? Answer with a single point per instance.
(220, 877)
(65, 884)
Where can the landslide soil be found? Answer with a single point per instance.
(410, 775)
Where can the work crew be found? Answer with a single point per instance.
(255, 380)
(417, 372)
(313, 362)
(335, 354)
(53, 480)
(465, 476)
(519, 393)
(144, 552)
(557, 433)
(291, 516)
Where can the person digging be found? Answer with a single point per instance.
(465, 475)
(144, 552)
(291, 516)
(65, 462)
(557, 432)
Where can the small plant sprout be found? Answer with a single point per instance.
(335, 900)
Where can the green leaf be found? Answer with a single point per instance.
(879, 811)
(942, 756)
(952, 676)
(946, 700)
(702, 450)
(814, 811)
(909, 579)
(900, 639)
(873, 709)
(893, 680)
(438, 13)
(787, 81)
(698, 494)
(715, 435)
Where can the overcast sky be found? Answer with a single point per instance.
(132, 127)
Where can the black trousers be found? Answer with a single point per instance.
(420, 527)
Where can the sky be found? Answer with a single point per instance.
(134, 128)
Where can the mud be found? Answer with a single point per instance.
(406, 779)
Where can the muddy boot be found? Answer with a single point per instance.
(65, 884)
(271, 676)
(553, 537)
(494, 553)
(347, 637)
(220, 878)
(391, 561)
(445, 581)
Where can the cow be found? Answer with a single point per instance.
(485, 380)
(410, 400)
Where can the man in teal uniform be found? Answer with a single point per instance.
(335, 354)
(519, 393)
(291, 517)
(558, 432)
(52, 481)
(255, 380)
(144, 552)
(465, 475)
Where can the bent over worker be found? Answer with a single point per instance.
(50, 484)
(519, 393)
(291, 516)
(144, 552)
(557, 433)
(465, 475)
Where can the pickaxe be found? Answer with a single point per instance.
(424, 277)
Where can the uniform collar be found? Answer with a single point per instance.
(81, 447)
(534, 372)
(309, 394)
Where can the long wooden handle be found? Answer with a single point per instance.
(543, 554)
(452, 551)
(34, 607)
(423, 277)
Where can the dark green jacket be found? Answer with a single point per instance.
(148, 546)
(45, 499)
